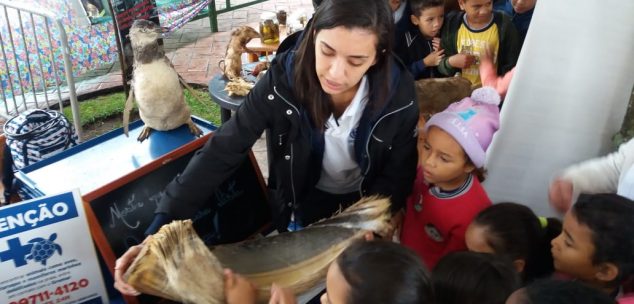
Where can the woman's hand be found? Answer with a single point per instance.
(239, 290)
(560, 195)
(122, 264)
(281, 295)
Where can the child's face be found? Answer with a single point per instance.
(518, 297)
(476, 239)
(444, 162)
(523, 6)
(337, 288)
(478, 11)
(573, 250)
(394, 4)
(430, 20)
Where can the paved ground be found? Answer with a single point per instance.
(195, 53)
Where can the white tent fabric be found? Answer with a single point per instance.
(571, 87)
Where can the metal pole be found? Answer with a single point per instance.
(6, 65)
(55, 74)
(28, 60)
(39, 58)
(213, 16)
(15, 59)
(74, 105)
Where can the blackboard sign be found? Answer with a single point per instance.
(125, 12)
(235, 211)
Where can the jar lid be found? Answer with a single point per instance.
(268, 16)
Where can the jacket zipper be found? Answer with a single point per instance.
(431, 50)
(292, 155)
(367, 143)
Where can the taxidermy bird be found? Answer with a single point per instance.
(155, 85)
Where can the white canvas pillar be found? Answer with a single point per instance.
(569, 94)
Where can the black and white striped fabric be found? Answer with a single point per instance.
(37, 134)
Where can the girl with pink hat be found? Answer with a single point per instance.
(447, 192)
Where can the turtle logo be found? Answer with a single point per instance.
(43, 249)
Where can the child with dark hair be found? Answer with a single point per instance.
(472, 277)
(515, 232)
(468, 33)
(367, 272)
(447, 192)
(597, 243)
(370, 272)
(521, 13)
(558, 292)
(420, 47)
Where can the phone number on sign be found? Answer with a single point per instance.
(45, 296)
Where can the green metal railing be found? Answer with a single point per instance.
(213, 12)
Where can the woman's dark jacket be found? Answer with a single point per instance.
(385, 147)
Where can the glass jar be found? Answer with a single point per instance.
(269, 28)
(281, 17)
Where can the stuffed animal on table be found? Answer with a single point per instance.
(155, 85)
(237, 45)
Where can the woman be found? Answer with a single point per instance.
(341, 114)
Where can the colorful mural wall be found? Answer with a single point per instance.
(91, 46)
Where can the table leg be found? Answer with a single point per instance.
(225, 114)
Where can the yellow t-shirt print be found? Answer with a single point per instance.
(474, 43)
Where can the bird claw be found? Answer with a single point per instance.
(145, 133)
(194, 129)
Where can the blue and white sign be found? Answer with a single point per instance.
(47, 254)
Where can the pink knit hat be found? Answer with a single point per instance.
(471, 122)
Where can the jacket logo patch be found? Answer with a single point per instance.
(433, 233)
(409, 39)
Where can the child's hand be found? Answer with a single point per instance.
(434, 58)
(560, 195)
(281, 295)
(435, 43)
(396, 221)
(462, 61)
(238, 290)
(486, 55)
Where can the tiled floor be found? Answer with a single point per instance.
(195, 53)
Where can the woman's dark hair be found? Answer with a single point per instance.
(514, 231)
(373, 15)
(551, 291)
(418, 6)
(610, 217)
(384, 272)
(473, 277)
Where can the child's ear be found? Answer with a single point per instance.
(606, 272)
(519, 265)
(461, 3)
(469, 167)
(413, 19)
